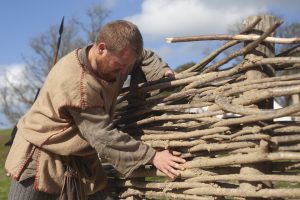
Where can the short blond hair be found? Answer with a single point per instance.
(121, 34)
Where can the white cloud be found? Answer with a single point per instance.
(179, 53)
(109, 4)
(180, 50)
(14, 74)
(159, 19)
(13, 77)
(191, 17)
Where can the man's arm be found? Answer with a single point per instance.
(121, 150)
(153, 66)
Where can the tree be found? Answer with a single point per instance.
(183, 67)
(17, 96)
(290, 30)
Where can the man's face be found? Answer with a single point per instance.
(111, 64)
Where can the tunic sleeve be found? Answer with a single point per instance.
(118, 148)
(152, 65)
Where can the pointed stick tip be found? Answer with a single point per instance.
(61, 28)
(169, 40)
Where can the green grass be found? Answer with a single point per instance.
(281, 184)
(4, 180)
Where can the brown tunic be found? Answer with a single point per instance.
(48, 131)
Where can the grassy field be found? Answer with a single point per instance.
(4, 180)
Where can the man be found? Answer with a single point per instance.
(59, 139)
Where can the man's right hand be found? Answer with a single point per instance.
(168, 162)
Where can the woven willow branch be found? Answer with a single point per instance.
(242, 177)
(266, 193)
(154, 194)
(239, 37)
(241, 159)
(212, 119)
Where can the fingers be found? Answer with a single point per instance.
(175, 153)
(176, 166)
(175, 161)
(169, 163)
(171, 173)
(175, 157)
(178, 159)
(169, 73)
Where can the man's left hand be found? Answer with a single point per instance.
(169, 73)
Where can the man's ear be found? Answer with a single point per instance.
(101, 47)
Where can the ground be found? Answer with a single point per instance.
(4, 180)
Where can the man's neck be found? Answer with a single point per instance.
(91, 57)
(92, 61)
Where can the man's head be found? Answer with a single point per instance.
(118, 46)
(121, 34)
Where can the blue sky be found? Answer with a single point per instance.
(23, 20)
(157, 19)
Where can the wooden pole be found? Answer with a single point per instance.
(266, 50)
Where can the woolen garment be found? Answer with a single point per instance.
(47, 133)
